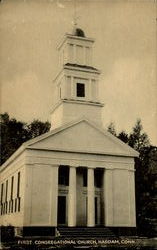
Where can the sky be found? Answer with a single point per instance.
(125, 51)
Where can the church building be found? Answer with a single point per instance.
(78, 174)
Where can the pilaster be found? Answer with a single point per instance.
(27, 194)
(54, 194)
(108, 197)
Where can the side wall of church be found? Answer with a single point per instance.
(12, 195)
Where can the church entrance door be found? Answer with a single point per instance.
(61, 210)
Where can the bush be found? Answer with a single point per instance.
(7, 233)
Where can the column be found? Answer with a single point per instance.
(90, 198)
(72, 197)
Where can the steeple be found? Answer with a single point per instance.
(76, 92)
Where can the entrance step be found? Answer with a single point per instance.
(86, 232)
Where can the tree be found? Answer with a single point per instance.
(146, 189)
(14, 133)
(123, 136)
(37, 128)
(111, 128)
(138, 139)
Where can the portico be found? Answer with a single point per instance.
(82, 185)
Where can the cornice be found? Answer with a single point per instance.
(89, 103)
(88, 39)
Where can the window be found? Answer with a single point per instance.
(18, 185)
(18, 194)
(80, 90)
(12, 186)
(6, 197)
(63, 177)
(2, 188)
(19, 204)
(15, 204)
(11, 194)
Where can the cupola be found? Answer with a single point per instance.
(77, 83)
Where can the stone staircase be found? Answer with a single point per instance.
(85, 232)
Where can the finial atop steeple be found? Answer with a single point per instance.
(75, 15)
(76, 31)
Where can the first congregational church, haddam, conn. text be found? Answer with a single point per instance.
(78, 174)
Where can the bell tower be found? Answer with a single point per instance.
(76, 91)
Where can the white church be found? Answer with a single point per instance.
(78, 174)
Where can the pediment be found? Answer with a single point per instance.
(82, 136)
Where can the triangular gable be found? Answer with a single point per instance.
(82, 136)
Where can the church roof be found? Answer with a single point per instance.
(81, 136)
